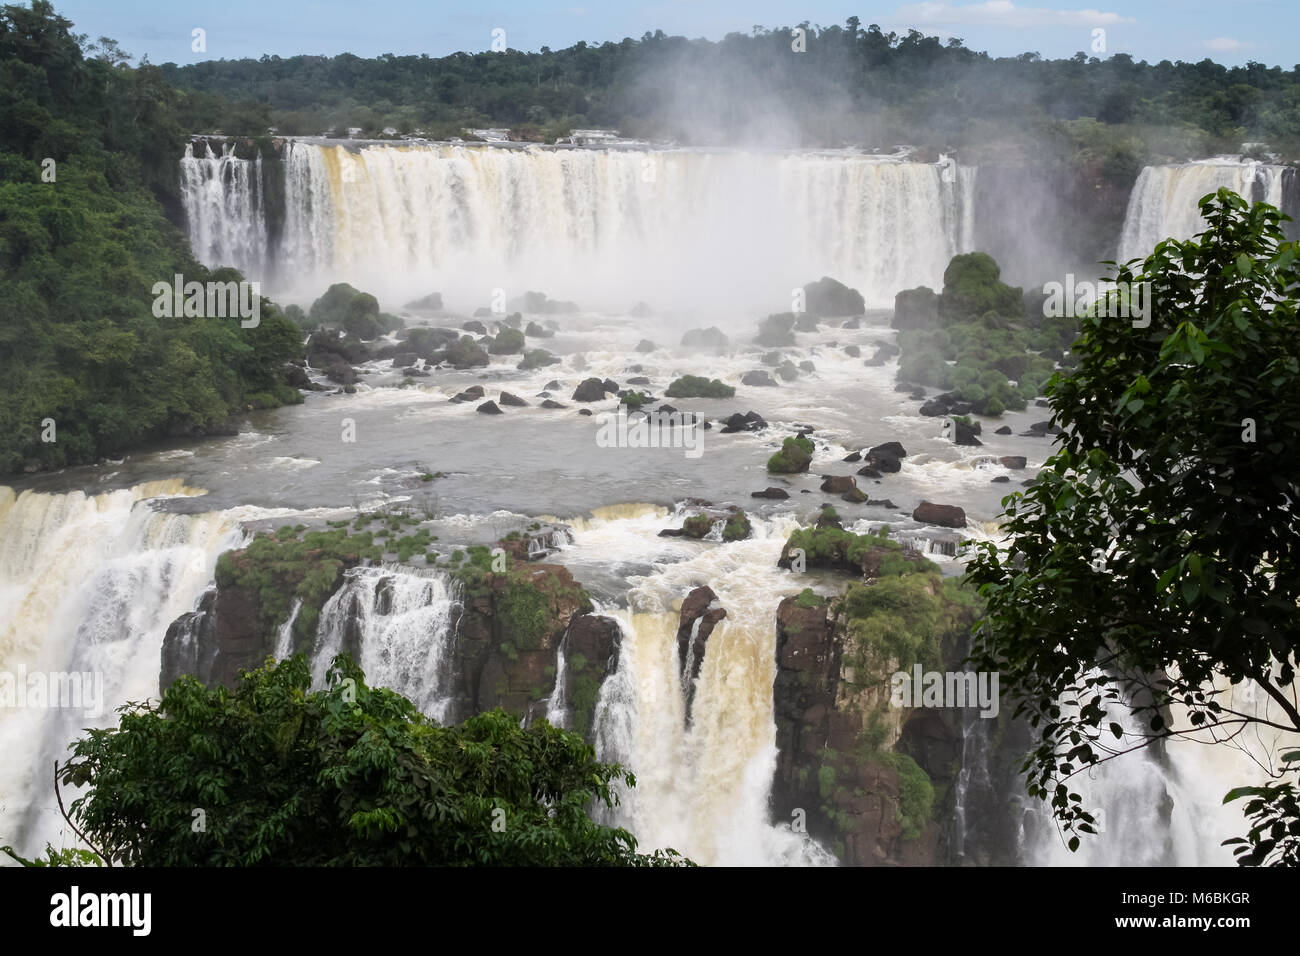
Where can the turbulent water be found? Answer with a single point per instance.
(676, 226)
(1164, 200)
(96, 562)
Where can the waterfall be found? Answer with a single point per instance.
(612, 225)
(88, 586)
(557, 705)
(1164, 200)
(224, 210)
(284, 637)
(401, 621)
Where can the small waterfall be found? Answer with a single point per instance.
(557, 705)
(284, 637)
(88, 586)
(600, 224)
(401, 622)
(1164, 200)
(224, 209)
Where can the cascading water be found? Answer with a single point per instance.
(703, 786)
(710, 227)
(402, 622)
(1164, 200)
(224, 209)
(88, 585)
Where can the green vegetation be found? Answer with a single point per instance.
(696, 386)
(537, 358)
(507, 342)
(275, 569)
(915, 794)
(856, 83)
(795, 456)
(984, 326)
(807, 599)
(349, 776)
(634, 399)
(88, 369)
(737, 527)
(1153, 562)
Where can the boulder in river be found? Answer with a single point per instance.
(946, 516)
(489, 408)
(758, 378)
(508, 399)
(775, 494)
(590, 390)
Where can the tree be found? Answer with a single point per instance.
(1152, 565)
(274, 774)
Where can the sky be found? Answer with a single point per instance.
(1227, 32)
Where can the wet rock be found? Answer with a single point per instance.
(830, 297)
(591, 390)
(775, 494)
(551, 403)
(645, 345)
(751, 421)
(852, 351)
(489, 408)
(838, 484)
(699, 615)
(758, 378)
(478, 328)
(1014, 462)
(854, 495)
(1004, 430)
(508, 399)
(471, 394)
(711, 340)
(946, 516)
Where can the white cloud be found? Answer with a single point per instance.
(1004, 13)
(1226, 45)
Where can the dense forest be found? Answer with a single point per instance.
(88, 150)
(850, 85)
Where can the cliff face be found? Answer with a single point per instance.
(880, 784)
(508, 633)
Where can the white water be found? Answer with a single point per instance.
(88, 584)
(674, 227)
(1164, 200)
(702, 789)
(224, 208)
(405, 619)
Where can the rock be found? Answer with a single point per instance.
(758, 378)
(508, 342)
(853, 323)
(1014, 462)
(591, 390)
(1045, 427)
(881, 461)
(610, 386)
(508, 399)
(638, 380)
(489, 408)
(787, 371)
(295, 376)
(772, 358)
(471, 394)
(965, 434)
(852, 351)
(776, 330)
(584, 411)
(552, 386)
(891, 448)
(806, 322)
(645, 345)
(854, 496)
(867, 471)
(882, 503)
(1000, 479)
(699, 615)
(829, 297)
(466, 353)
(342, 373)
(711, 339)
(855, 456)
(478, 328)
(775, 494)
(537, 331)
(430, 303)
(1004, 430)
(551, 403)
(946, 516)
(749, 422)
(807, 366)
(838, 484)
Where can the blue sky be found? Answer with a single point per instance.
(1153, 30)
